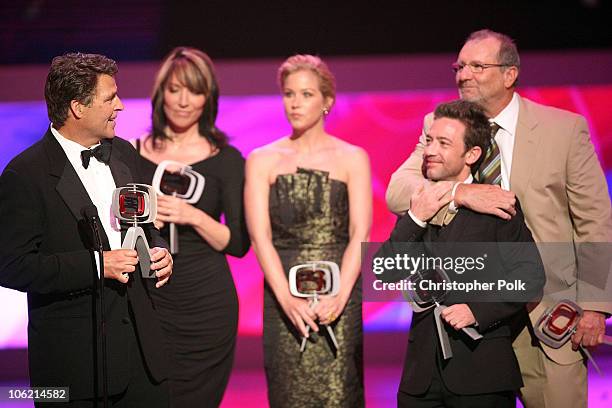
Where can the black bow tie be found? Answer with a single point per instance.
(102, 153)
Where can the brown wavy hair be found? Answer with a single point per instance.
(477, 125)
(194, 69)
(74, 76)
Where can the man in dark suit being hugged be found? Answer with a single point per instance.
(546, 158)
(44, 250)
(484, 372)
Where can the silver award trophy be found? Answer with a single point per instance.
(312, 279)
(178, 180)
(136, 204)
(421, 300)
(557, 325)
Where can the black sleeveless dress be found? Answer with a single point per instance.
(198, 306)
(309, 217)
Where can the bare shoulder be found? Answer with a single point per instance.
(351, 161)
(269, 154)
(349, 151)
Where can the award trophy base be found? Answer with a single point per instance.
(557, 325)
(330, 331)
(135, 238)
(174, 245)
(310, 280)
(447, 352)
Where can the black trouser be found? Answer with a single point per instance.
(438, 396)
(141, 391)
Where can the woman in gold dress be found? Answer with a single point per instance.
(308, 197)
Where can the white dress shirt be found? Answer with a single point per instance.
(99, 183)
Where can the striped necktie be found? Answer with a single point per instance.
(490, 168)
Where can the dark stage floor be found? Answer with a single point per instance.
(384, 356)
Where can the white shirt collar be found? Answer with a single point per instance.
(469, 179)
(508, 117)
(71, 148)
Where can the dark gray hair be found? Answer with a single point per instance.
(507, 54)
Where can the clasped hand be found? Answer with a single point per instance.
(486, 199)
(299, 312)
(590, 330)
(173, 209)
(458, 316)
(429, 198)
(120, 263)
(483, 198)
(329, 308)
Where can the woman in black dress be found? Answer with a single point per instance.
(199, 309)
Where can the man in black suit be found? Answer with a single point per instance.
(46, 252)
(485, 372)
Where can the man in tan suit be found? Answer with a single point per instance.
(549, 163)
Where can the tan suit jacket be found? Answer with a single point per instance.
(559, 181)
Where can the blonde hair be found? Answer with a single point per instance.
(301, 62)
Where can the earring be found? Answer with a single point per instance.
(326, 111)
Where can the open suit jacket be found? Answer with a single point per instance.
(558, 179)
(487, 365)
(44, 252)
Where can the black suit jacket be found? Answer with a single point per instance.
(487, 365)
(44, 252)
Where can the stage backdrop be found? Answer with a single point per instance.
(386, 125)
